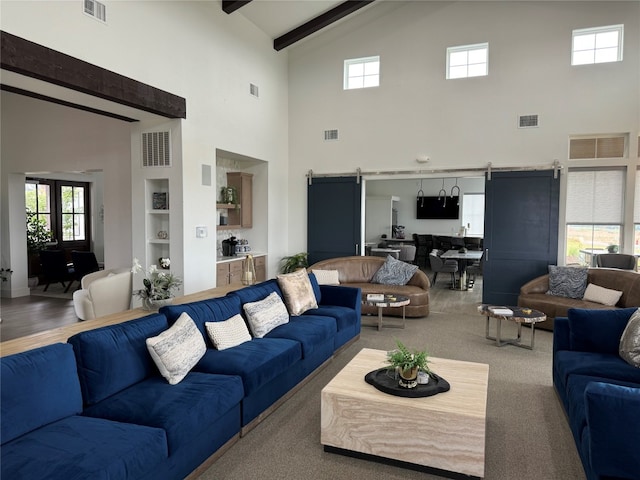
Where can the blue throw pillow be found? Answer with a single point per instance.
(597, 330)
(394, 272)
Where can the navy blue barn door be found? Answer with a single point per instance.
(521, 231)
(333, 217)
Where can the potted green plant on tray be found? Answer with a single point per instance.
(407, 363)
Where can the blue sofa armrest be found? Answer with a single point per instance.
(612, 413)
(341, 296)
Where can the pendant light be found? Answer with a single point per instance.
(443, 193)
(456, 186)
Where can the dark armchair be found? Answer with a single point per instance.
(617, 260)
(55, 268)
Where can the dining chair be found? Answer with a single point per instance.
(440, 266)
(56, 269)
(84, 263)
(617, 260)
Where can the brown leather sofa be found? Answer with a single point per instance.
(358, 272)
(533, 294)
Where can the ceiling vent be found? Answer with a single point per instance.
(331, 134)
(96, 10)
(527, 121)
(253, 90)
(156, 149)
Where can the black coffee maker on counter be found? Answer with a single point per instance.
(229, 247)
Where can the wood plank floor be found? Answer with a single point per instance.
(32, 314)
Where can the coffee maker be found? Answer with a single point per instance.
(229, 247)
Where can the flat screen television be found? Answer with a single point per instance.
(434, 208)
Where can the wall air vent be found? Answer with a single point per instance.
(331, 134)
(96, 10)
(156, 149)
(253, 90)
(527, 121)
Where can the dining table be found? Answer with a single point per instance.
(462, 256)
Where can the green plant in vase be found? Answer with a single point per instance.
(408, 363)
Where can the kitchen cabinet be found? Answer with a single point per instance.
(230, 271)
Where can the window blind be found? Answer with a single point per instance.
(595, 196)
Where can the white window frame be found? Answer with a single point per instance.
(590, 42)
(473, 213)
(467, 49)
(348, 85)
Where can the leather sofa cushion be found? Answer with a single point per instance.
(85, 447)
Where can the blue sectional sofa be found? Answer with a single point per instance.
(599, 391)
(97, 407)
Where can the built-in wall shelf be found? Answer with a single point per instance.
(228, 227)
(226, 206)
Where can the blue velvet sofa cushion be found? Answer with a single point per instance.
(346, 318)
(614, 435)
(84, 448)
(316, 287)
(597, 330)
(257, 362)
(38, 387)
(596, 364)
(183, 410)
(212, 310)
(312, 332)
(257, 292)
(115, 357)
(576, 387)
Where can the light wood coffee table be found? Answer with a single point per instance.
(444, 432)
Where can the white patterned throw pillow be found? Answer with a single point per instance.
(228, 333)
(177, 350)
(266, 314)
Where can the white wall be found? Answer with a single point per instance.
(194, 50)
(462, 123)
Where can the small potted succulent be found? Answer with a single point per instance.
(408, 363)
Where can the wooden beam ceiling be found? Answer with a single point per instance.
(30, 59)
(319, 23)
(230, 6)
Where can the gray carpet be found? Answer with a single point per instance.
(527, 433)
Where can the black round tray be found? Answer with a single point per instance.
(384, 380)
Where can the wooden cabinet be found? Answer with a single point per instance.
(229, 272)
(261, 268)
(240, 215)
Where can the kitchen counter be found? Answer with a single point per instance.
(239, 256)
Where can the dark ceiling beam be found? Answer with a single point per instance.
(230, 6)
(319, 23)
(32, 60)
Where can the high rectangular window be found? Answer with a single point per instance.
(362, 73)
(468, 61)
(597, 45)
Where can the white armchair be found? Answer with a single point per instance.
(103, 292)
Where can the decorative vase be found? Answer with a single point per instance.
(408, 378)
(151, 305)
